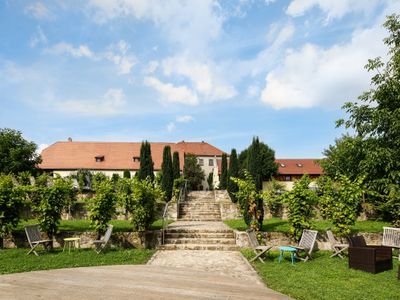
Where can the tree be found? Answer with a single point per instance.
(167, 180)
(300, 200)
(248, 198)
(210, 181)
(261, 162)
(11, 204)
(176, 168)
(375, 118)
(16, 153)
(192, 172)
(127, 174)
(143, 203)
(233, 172)
(102, 207)
(341, 199)
(50, 203)
(224, 173)
(146, 168)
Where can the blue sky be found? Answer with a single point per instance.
(218, 71)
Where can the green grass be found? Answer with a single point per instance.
(16, 260)
(84, 225)
(325, 278)
(279, 225)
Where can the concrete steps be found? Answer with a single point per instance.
(215, 247)
(200, 207)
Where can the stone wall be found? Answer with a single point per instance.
(149, 239)
(229, 210)
(283, 239)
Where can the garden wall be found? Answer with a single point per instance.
(149, 239)
(283, 239)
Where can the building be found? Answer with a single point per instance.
(290, 170)
(65, 158)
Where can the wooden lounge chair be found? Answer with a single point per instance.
(35, 238)
(391, 238)
(258, 250)
(102, 243)
(336, 246)
(306, 244)
(372, 259)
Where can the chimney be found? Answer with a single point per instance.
(69, 139)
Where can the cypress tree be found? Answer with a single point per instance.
(167, 180)
(176, 166)
(146, 163)
(233, 171)
(127, 174)
(224, 173)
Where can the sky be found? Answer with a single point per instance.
(195, 70)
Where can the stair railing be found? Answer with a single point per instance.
(164, 223)
(181, 197)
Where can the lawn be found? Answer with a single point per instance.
(16, 260)
(279, 225)
(84, 225)
(325, 278)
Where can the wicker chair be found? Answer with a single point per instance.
(372, 259)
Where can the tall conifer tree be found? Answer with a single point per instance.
(224, 173)
(176, 166)
(167, 180)
(146, 162)
(233, 171)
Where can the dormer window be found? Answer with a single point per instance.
(299, 165)
(282, 165)
(136, 159)
(99, 158)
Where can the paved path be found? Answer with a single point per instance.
(129, 282)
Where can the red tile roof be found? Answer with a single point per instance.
(294, 166)
(117, 155)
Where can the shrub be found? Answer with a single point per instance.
(102, 207)
(210, 181)
(300, 201)
(127, 174)
(10, 205)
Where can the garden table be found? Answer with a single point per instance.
(292, 251)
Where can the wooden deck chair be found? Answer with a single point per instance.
(258, 250)
(336, 246)
(306, 244)
(102, 243)
(391, 238)
(35, 238)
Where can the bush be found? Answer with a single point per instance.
(300, 201)
(127, 174)
(10, 206)
(102, 207)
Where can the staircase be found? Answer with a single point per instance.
(199, 226)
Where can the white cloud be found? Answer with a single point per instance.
(171, 93)
(184, 119)
(253, 91)
(151, 67)
(80, 51)
(38, 10)
(111, 103)
(171, 126)
(38, 38)
(190, 24)
(204, 77)
(118, 54)
(313, 76)
(333, 9)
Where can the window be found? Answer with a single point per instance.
(299, 165)
(211, 162)
(99, 158)
(282, 165)
(136, 159)
(288, 178)
(201, 162)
